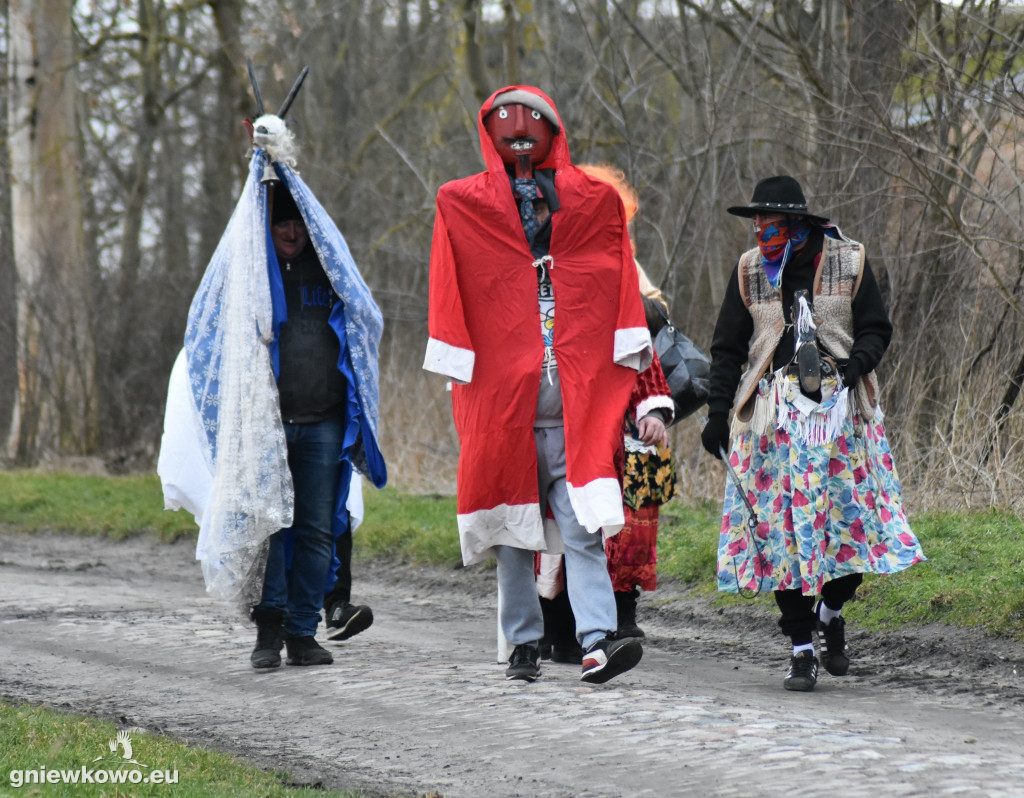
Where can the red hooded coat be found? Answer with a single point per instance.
(485, 335)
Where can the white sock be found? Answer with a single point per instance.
(804, 647)
(826, 615)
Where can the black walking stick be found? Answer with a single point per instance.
(751, 522)
(751, 512)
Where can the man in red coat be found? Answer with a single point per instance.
(535, 316)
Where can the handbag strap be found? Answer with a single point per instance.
(661, 309)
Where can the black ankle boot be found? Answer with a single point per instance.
(269, 638)
(625, 605)
(304, 650)
(559, 641)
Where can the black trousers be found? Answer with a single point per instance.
(559, 621)
(342, 590)
(798, 619)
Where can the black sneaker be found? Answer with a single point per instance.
(524, 664)
(835, 654)
(304, 650)
(803, 672)
(609, 657)
(345, 620)
(269, 638)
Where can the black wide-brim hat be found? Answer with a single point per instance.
(780, 194)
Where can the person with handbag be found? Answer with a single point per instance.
(647, 474)
(644, 463)
(803, 310)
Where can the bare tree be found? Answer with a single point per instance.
(899, 118)
(57, 396)
(8, 273)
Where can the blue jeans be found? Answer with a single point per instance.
(295, 583)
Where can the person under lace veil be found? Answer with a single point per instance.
(227, 451)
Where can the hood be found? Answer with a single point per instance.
(557, 158)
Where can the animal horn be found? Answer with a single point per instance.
(255, 88)
(291, 95)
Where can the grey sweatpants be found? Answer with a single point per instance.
(586, 569)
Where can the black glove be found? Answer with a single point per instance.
(851, 373)
(716, 434)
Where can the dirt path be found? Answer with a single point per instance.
(417, 703)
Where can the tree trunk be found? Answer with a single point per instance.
(57, 407)
(223, 134)
(475, 66)
(8, 276)
(511, 43)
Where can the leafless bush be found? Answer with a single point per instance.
(900, 118)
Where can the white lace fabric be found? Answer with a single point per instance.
(236, 404)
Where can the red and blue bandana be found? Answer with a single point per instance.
(777, 240)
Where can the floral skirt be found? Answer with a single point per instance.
(824, 509)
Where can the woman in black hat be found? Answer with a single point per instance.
(803, 311)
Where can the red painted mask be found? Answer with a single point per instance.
(521, 135)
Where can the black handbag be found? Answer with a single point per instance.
(687, 369)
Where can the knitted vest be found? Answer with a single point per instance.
(835, 285)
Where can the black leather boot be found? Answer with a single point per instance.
(304, 650)
(559, 643)
(269, 638)
(625, 605)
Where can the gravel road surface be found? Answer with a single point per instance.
(417, 705)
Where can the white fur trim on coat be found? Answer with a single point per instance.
(598, 504)
(518, 525)
(656, 403)
(633, 348)
(449, 361)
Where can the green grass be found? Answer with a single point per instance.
(33, 738)
(415, 529)
(117, 507)
(688, 542)
(972, 578)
